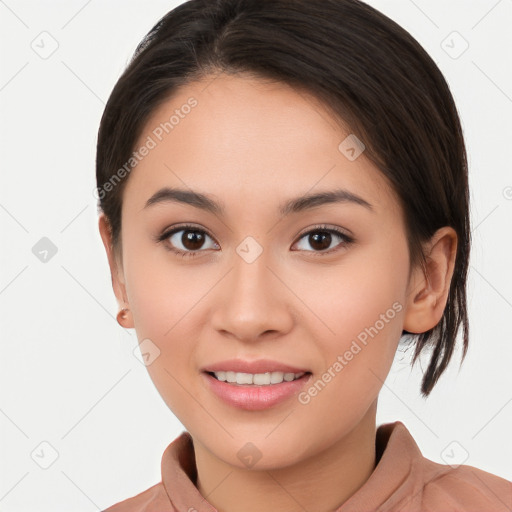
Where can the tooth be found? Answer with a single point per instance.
(276, 377)
(244, 378)
(259, 379)
(262, 379)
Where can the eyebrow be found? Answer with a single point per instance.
(295, 205)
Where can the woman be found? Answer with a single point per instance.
(283, 192)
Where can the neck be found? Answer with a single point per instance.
(322, 482)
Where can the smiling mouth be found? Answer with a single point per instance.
(256, 379)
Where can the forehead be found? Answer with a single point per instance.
(239, 137)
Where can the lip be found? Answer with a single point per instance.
(259, 366)
(255, 397)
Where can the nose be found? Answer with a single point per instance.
(253, 301)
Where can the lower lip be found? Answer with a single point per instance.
(253, 397)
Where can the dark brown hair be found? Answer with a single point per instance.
(368, 71)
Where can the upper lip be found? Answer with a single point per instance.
(259, 366)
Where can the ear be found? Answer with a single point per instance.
(116, 269)
(428, 290)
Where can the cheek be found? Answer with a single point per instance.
(166, 301)
(359, 309)
(160, 289)
(351, 310)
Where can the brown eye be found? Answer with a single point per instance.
(320, 239)
(187, 240)
(192, 240)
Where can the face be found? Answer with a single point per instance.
(319, 287)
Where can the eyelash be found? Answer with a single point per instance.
(347, 240)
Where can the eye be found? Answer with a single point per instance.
(186, 240)
(320, 238)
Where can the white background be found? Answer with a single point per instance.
(68, 374)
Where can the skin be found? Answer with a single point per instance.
(251, 145)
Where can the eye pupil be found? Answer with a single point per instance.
(320, 237)
(195, 238)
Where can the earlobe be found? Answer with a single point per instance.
(429, 287)
(116, 272)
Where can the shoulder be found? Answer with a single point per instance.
(425, 485)
(464, 488)
(154, 499)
